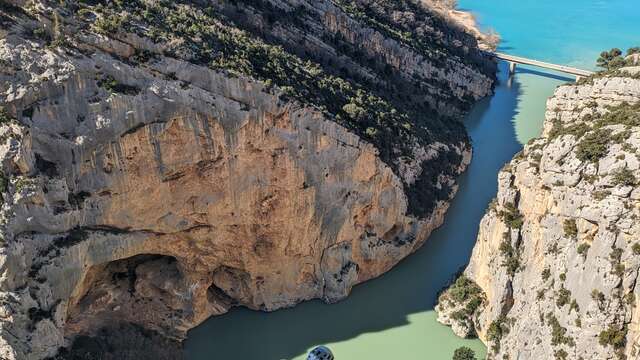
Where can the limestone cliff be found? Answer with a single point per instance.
(165, 161)
(555, 267)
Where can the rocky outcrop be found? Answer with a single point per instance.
(163, 162)
(557, 255)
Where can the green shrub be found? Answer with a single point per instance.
(5, 118)
(464, 353)
(511, 259)
(570, 228)
(114, 87)
(583, 249)
(553, 249)
(601, 194)
(110, 23)
(622, 114)
(618, 270)
(473, 305)
(354, 111)
(624, 177)
(636, 248)
(463, 289)
(496, 330)
(578, 130)
(4, 184)
(511, 216)
(615, 255)
(560, 354)
(611, 59)
(563, 298)
(558, 333)
(574, 306)
(598, 297)
(593, 146)
(84, 12)
(23, 183)
(630, 299)
(41, 34)
(546, 273)
(613, 336)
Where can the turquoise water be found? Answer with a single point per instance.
(567, 32)
(392, 317)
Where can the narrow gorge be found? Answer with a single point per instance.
(163, 161)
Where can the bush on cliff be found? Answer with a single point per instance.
(593, 146)
(612, 62)
(511, 216)
(611, 59)
(624, 177)
(613, 336)
(464, 353)
(463, 289)
(570, 228)
(5, 118)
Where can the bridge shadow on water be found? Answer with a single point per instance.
(386, 302)
(550, 75)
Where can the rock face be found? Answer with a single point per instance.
(558, 252)
(160, 165)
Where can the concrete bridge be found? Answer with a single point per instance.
(513, 60)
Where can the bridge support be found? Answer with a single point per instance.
(512, 68)
(578, 77)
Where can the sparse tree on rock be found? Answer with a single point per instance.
(464, 353)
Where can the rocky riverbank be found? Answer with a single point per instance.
(555, 267)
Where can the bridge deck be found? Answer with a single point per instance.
(561, 68)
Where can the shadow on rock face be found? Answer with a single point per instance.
(122, 342)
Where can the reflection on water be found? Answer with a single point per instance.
(391, 317)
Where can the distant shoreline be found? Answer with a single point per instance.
(486, 41)
(467, 21)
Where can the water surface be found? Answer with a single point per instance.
(392, 317)
(567, 32)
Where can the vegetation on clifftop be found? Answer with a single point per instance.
(613, 59)
(392, 110)
(594, 133)
(612, 63)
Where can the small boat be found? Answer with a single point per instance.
(320, 353)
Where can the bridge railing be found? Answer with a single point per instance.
(513, 60)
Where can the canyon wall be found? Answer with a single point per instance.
(165, 161)
(554, 271)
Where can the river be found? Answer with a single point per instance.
(392, 317)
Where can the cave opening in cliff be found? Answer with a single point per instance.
(147, 289)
